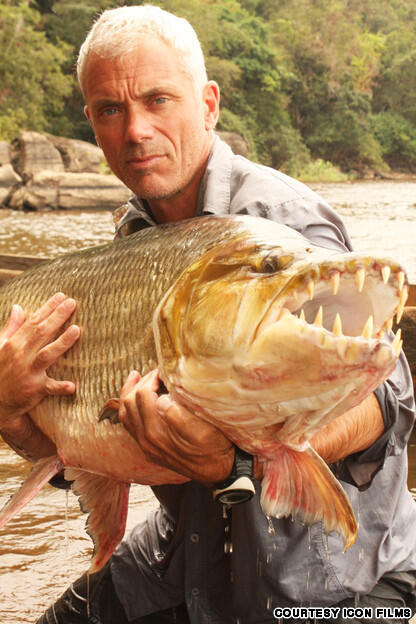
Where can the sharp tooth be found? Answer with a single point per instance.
(400, 308)
(319, 317)
(335, 280)
(385, 271)
(310, 287)
(302, 315)
(404, 293)
(360, 278)
(400, 279)
(389, 325)
(396, 345)
(368, 328)
(337, 328)
(399, 312)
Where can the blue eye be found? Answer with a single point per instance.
(161, 100)
(110, 111)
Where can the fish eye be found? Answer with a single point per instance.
(274, 263)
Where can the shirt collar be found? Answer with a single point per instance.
(213, 195)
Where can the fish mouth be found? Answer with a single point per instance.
(336, 302)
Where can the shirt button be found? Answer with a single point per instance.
(195, 592)
(195, 538)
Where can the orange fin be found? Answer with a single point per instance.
(106, 502)
(301, 484)
(110, 411)
(42, 471)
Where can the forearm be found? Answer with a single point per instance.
(351, 432)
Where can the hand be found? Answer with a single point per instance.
(27, 348)
(171, 436)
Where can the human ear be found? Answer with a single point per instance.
(87, 114)
(211, 100)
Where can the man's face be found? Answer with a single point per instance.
(149, 118)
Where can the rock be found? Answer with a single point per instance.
(50, 190)
(5, 154)
(237, 142)
(79, 156)
(408, 326)
(40, 192)
(8, 180)
(36, 154)
(91, 190)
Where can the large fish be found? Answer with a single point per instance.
(243, 318)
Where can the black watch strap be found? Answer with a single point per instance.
(239, 486)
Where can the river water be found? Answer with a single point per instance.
(46, 547)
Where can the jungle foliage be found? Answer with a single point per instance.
(309, 83)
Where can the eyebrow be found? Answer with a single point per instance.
(169, 88)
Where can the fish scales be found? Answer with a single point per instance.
(224, 306)
(117, 285)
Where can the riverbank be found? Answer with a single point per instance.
(46, 172)
(40, 171)
(320, 171)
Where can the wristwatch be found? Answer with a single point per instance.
(239, 486)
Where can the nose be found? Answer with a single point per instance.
(138, 126)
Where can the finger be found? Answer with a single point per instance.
(129, 415)
(173, 414)
(145, 399)
(131, 381)
(35, 334)
(150, 382)
(125, 421)
(59, 388)
(49, 354)
(47, 308)
(188, 425)
(16, 320)
(142, 416)
(59, 316)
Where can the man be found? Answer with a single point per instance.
(153, 111)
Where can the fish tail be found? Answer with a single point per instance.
(301, 484)
(106, 502)
(41, 473)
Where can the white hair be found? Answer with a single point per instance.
(117, 32)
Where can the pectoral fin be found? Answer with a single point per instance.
(42, 471)
(110, 411)
(106, 502)
(301, 484)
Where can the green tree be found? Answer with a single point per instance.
(32, 83)
(331, 80)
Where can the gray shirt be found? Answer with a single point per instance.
(237, 565)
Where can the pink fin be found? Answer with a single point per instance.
(300, 484)
(106, 502)
(42, 471)
(110, 411)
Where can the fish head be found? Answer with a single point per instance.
(267, 326)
